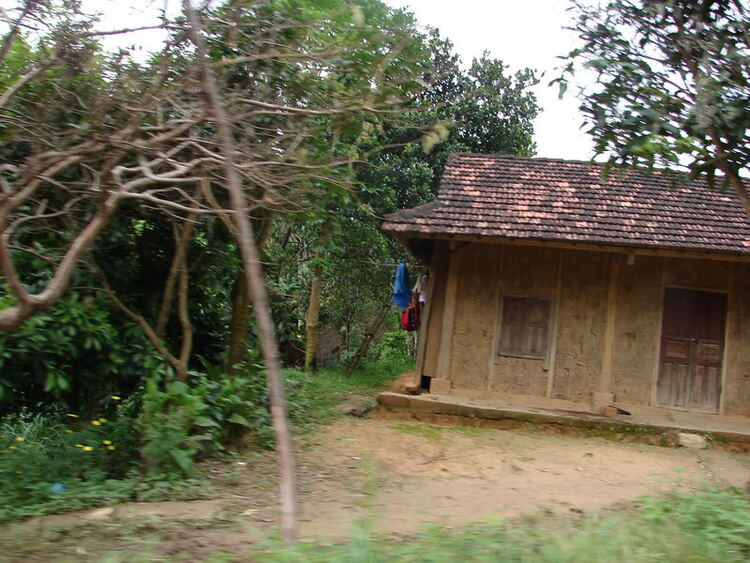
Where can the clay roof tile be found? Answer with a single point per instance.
(558, 200)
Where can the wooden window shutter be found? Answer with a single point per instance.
(524, 330)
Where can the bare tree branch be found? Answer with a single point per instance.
(256, 284)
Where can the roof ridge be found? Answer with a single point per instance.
(633, 167)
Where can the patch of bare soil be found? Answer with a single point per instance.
(398, 476)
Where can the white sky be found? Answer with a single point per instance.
(522, 33)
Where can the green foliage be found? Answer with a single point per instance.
(184, 422)
(671, 82)
(484, 108)
(701, 528)
(79, 351)
(313, 398)
(173, 428)
(47, 466)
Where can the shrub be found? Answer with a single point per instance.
(182, 422)
(46, 465)
(80, 351)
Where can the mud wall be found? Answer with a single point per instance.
(523, 274)
(477, 268)
(638, 313)
(437, 297)
(581, 324)
(585, 356)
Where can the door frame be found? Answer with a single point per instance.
(653, 398)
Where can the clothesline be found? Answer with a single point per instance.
(384, 264)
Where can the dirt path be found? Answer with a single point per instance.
(400, 476)
(448, 476)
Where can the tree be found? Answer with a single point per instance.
(251, 106)
(672, 84)
(480, 109)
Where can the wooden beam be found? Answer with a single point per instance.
(623, 249)
(731, 293)
(655, 375)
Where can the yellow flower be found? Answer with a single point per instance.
(79, 445)
(111, 448)
(11, 447)
(102, 420)
(96, 423)
(87, 448)
(20, 438)
(116, 398)
(106, 442)
(72, 415)
(68, 431)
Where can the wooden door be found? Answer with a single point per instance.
(692, 347)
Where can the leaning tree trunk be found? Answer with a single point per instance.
(237, 348)
(254, 273)
(364, 346)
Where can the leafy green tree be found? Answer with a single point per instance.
(480, 109)
(672, 83)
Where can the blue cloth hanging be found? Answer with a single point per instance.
(401, 287)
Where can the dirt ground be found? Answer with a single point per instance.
(397, 477)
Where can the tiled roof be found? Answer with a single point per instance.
(566, 201)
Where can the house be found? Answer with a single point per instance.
(552, 287)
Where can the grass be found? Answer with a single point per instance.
(316, 395)
(432, 433)
(713, 526)
(471, 431)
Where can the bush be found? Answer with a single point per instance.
(80, 351)
(49, 466)
(183, 422)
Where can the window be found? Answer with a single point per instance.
(524, 331)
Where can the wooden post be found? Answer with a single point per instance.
(731, 293)
(423, 333)
(657, 362)
(551, 361)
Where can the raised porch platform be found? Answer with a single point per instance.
(659, 427)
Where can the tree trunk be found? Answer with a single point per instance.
(237, 348)
(238, 325)
(172, 276)
(182, 311)
(364, 346)
(254, 275)
(312, 320)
